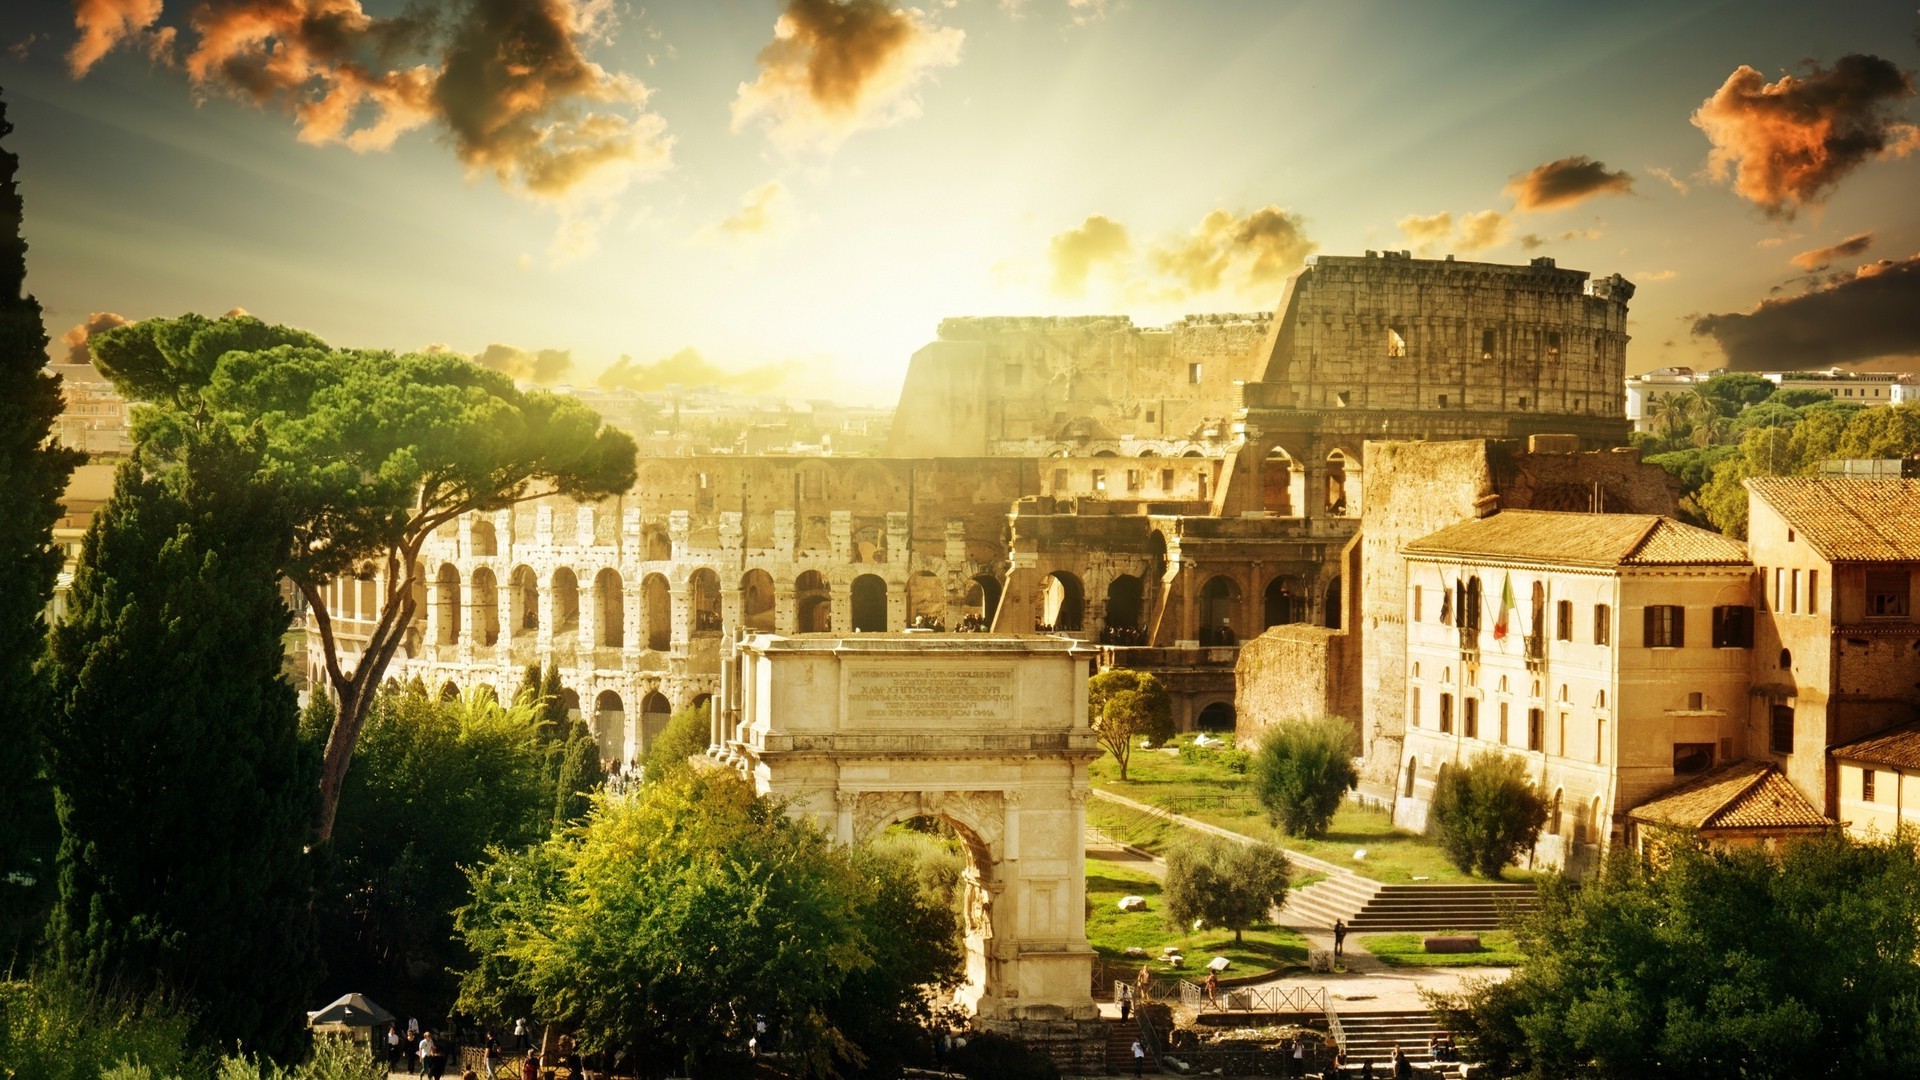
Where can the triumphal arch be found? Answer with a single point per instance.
(987, 733)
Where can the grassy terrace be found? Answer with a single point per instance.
(1497, 949)
(1203, 784)
(1112, 931)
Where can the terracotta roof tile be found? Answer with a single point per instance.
(1742, 795)
(1898, 747)
(1601, 540)
(1848, 519)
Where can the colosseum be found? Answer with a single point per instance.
(1162, 492)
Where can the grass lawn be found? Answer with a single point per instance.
(1112, 931)
(1205, 787)
(1497, 949)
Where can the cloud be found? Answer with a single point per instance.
(1645, 276)
(1076, 252)
(1245, 254)
(507, 80)
(1787, 144)
(1532, 241)
(765, 212)
(545, 366)
(1565, 182)
(690, 369)
(1821, 258)
(104, 24)
(1857, 316)
(837, 66)
(77, 339)
(1667, 176)
(1469, 232)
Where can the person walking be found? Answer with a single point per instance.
(530, 1067)
(1339, 940)
(1402, 1068)
(1213, 987)
(1126, 1001)
(393, 1048)
(1139, 1059)
(423, 1053)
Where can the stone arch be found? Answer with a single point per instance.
(609, 725)
(1596, 832)
(1283, 482)
(1283, 603)
(482, 538)
(1555, 821)
(570, 698)
(756, 601)
(655, 711)
(1219, 606)
(703, 602)
(566, 602)
(1124, 609)
(1219, 716)
(486, 607)
(446, 597)
(1063, 602)
(1156, 555)
(658, 546)
(449, 691)
(868, 601)
(1342, 495)
(523, 602)
(983, 599)
(609, 609)
(926, 600)
(1331, 616)
(656, 601)
(700, 700)
(869, 546)
(812, 604)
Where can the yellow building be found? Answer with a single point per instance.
(1609, 652)
(1877, 782)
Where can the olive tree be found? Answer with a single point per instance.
(1301, 771)
(1224, 883)
(1124, 706)
(370, 452)
(1487, 813)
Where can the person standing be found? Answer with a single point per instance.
(530, 1067)
(1402, 1068)
(1213, 986)
(424, 1054)
(1126, 1001)
(1339, 940)
(1144, 981)
(520, 1033)
(1139, 1059)
(393, 1047)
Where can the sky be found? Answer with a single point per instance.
(789, 195)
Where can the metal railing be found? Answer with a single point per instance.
(1334, 1029)
(1162, 990)
(1254, 999)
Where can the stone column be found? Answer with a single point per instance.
(587, 638)
(844, 803)
(783, 613)
(1077, 886)
(842, 593)
(548, 612)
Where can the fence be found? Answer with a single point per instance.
(1254, 999)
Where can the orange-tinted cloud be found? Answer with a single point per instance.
(1531, 241)
(1426, 231)
(77, 339)
(1076, 252)
(1786, 144)
(539, 365)
(689, 368)
(508, 79)
(104, 24)
(1565, 182)
(836, 66)
(1469, 232)
(764, 212)
(1858, 316)
(1821, 258)
(1245, 254)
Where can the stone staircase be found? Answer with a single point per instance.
(1372, 908)
(1120, 1037)
(1372, 1037)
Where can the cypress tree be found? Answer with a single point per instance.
(183, 788)
(33, 475)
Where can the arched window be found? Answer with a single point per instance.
(656, 605)
(703, 602)
(481, 535)
(524, 596)
(869, 600)
(983, 600)
(1062, 603)
(610, 609)
(566, 603)
(1332, 619)
(1219, 607)
(756, 601)
(1282, 481)
(812, 604)
(446, 595)
(1283, 606)
(486, 607)
(1123, 602)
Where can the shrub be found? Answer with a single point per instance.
(996, 1057)
(1223, 883)
(1486, 813)
(1302, 770)
(53, 1029)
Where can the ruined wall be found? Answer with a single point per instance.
(1414, 489)
(1295, 671)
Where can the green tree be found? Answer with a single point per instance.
(1486, 813)
(1709, 962)
(371, 453)
(1125, 706)
(1799, 397)
(687, 734)
(1301, 771)
(34, 472)
(184, 791)
(434, 785)
(672, 918)
(1223, 883)
(1737, 390)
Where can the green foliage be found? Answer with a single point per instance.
(434, 785)
(988, 1056)
(1815, 434)
(1733, 391)
(1797, 397)
(1125, 706)
(687, 734)
(671, 918)
(1224, 883)
(52, 1028)
(369, 453)
(1301, 770)
(184, 791)
(34, 473)
(1486, 813)
(1715, 963)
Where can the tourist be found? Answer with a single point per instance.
(530, 1067)
(413, 1045)
(1402, 1068)
(1145, 982)
(1213, 986)
(1139, 1059)
(393, 1047)
(1126, 1001)
(1339, 939)
(423, 1054)
(491, 1053)
(1299, 1057)
(520, 1034)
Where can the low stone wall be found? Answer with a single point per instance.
(1294, 671)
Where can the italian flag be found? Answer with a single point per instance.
(1506, 605)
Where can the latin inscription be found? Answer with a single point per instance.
(896, 696)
